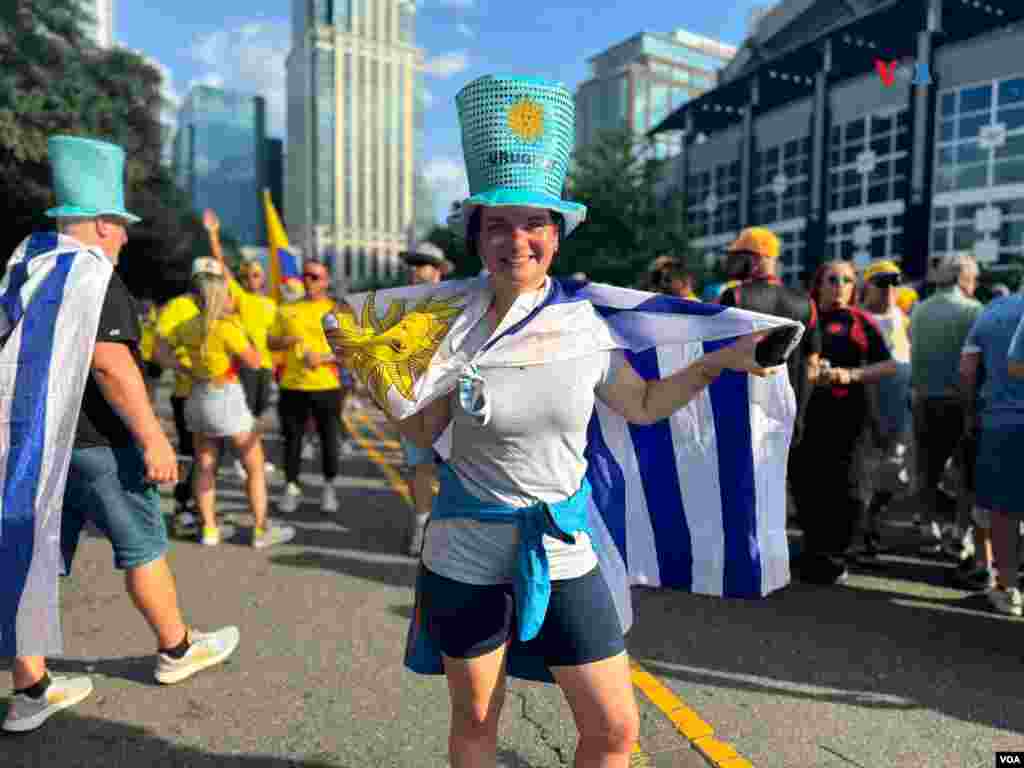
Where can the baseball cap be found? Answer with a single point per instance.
(757, 240)
(207, 266)
(881, 267)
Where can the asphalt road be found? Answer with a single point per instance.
(894, 669)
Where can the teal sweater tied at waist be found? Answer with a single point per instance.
(532, 584)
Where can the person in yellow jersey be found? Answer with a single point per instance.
(175, 312)
(150, 368)
(218, 347)
(257, 313)
(310, 385)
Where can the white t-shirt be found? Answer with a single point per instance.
(531, 450)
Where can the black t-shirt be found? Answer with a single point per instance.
(99, 423)
(850, 339)
(769, 296)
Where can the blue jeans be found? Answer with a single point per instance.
(108, 486)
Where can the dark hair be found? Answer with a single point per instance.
(473, 230)
(738, 265)
(676, 270)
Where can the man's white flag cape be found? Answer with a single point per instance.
(694, 502)
(50, 302)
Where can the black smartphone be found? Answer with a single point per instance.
(774, 347)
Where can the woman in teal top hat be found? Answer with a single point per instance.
(509, 571)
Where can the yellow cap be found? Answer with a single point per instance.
(757, 240)
(906, 297)
(881, 267)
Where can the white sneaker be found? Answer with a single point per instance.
(211, 537)
(208, 649)
(329, 500)
(290, 499)
(1007, 601)
(26, 714)
(272, 535)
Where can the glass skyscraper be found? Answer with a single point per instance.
(349, 191)
(637, 83)
(220, 158)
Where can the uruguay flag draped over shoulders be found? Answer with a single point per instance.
(51, 297)
(694, 502)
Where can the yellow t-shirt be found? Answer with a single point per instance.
(213, 358)
(148, 340)
(302, 319)
(258, 314)
(174, 313)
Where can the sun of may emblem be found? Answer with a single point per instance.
(526, 119)
(393, 351)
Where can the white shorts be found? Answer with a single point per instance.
(218, 410)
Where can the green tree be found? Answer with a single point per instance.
(53, 80)
(629, 223)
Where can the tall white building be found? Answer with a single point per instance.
(102, 28)
(349, 188)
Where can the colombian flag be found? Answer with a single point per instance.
(282, 262)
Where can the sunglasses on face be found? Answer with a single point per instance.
(837, 279)
(886, 281)
(311, 276)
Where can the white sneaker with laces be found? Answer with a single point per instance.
(26, 714)
(329, 500)
(1007, 601)
(272, 535)
(208, 649)
(290, 499)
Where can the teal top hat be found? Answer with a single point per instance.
(517, 135)
(88, 177)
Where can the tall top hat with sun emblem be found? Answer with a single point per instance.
(517, 135)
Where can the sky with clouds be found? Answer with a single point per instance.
(243, 44)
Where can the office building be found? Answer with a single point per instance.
(636, 84)
(220, 158)
(865, 130)
(101, 26)
(275, 173)
(352, 83)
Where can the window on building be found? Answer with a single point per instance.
(640, 101)
(966, 161)
(713, 200)
(867, 186)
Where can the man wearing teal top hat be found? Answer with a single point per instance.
(511, 582)
(114, 453)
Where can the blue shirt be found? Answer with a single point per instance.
(1002, 398)
(1016, 353)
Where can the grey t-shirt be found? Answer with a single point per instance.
(531, 450)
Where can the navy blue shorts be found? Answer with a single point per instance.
(470, 620)
(108, 486)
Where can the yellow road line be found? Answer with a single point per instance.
(389, 472)
(687, 722)
(700, 735)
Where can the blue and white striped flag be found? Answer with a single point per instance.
(51, 297)
(694, 502)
